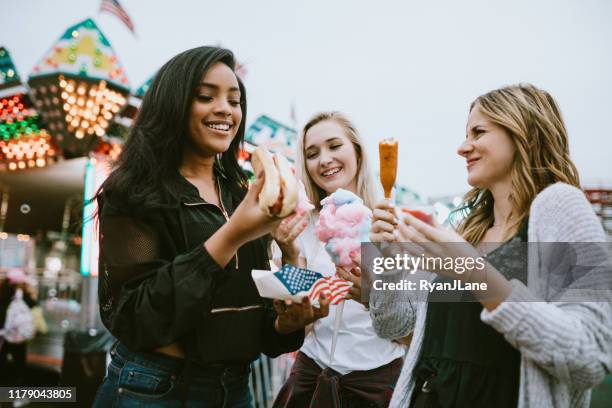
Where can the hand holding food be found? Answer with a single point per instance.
(279, 194)
(420, 214)
(294, 316)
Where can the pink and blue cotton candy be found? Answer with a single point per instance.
(344, 222)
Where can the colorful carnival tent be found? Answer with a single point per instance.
(123, 120)
(142, 89)
(79, 86)
(272, 135)
(24, 141)
(8, 74)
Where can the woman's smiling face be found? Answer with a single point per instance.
(216, 112)
(331, 160)
(488, 150)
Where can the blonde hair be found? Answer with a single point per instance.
(532, 119)
(365, 181)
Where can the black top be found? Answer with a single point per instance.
(159, 285)
(466, 362)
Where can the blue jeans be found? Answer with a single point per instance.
(152, 380)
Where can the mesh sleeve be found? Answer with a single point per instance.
(147, 301)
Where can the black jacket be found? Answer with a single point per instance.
(159, 285)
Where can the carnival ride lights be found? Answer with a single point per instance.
(110, 148)
(88, 108)
(80, 86)
(24, 143)
(27, 153)
(8, 73)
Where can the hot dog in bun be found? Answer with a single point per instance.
(279, 194)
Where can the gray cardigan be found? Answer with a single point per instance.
(566, 347)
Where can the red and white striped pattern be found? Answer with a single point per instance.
(335, 288)
(113, 7)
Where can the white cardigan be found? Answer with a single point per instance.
(566, 347)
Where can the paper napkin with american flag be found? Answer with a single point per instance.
(291, 282)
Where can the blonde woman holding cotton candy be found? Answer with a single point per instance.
(364, 367)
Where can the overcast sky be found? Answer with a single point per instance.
(404, 69)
